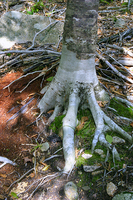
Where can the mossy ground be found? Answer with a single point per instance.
(85, 137)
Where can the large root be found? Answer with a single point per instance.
(56, 98)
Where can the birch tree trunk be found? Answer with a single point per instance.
(76, 84)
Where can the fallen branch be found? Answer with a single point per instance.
(19, 79)
(117, 36)
(20, 178)
(22, 110)
(122, 49)
(31, 51)
(43, 72)
(42, 181)
(27, 50)
(121, 65)
(114, 69)
(126, 61)
(128, 103)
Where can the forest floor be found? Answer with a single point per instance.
(21, 138)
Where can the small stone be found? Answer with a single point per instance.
(97, 172)
(130, 98)
(117, 140)
(2, 197)
(126, 196)
(103, 156)
(17, 27)
(100, 152)
(121, 183)
(111, 189)
(86, 188)
(120, 22)
(90, 168)
(70, 190)
(44, 147)
(86, 156)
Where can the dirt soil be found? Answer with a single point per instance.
(18, 135)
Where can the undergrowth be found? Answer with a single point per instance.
(86, 135)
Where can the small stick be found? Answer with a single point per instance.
(114, 69)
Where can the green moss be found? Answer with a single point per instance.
(90, 161)
(124, 111)
(121, 108)
(86, 136)
(83, 179)
(57, 124)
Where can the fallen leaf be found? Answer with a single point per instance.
(46, 168)
(131, 124)
(84, 119)
(82, 123)
(31, 175)
(102, 103)
(80, 127)
(26, 159)
(3, 175)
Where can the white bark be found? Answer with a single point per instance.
(76, 82)
(73, 70)
(69, 124)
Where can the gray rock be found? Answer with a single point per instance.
(86, 155)
(120, 22)
(18, 7)
(117, 140)
(126, 196)
(100, 152)
(111, 189)
(90, 168)
(16, 27)
(86, 188)
(44, 147)
(70, 190)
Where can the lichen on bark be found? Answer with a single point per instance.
(81, 27)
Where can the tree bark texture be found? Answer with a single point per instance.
(80, 29)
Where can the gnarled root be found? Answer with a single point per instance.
(56, 97)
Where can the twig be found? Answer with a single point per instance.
(120, 64)
(111, 81)
(114, 69)
(33, 42)
(115, 37)
(11, 61)
(21, 77)
(124, 50)
(41, 74)
(20, 178)
(27, 51)
(20, 111)
(128, 103)
(31, 51)
(51, 157)
(42, 182)
(58, 150)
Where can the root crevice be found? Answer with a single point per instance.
(102, 121)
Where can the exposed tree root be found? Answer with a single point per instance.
(78, 96)
(6, 161)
